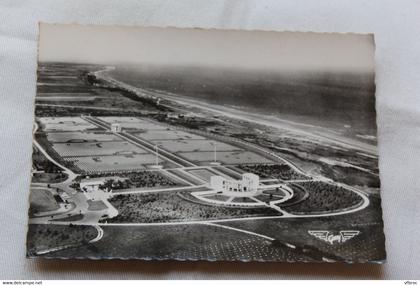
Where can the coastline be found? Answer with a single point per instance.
(315, 132)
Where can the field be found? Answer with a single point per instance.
(194, 145)
(64, 137)
(137, 124)
(112, 119)
(268, 197)
(198, 149)
(204, 174)
(96, 205)
(195, 148)
(183, 175)
(182, 242)
(59, 83)
(42, 200)
(97, 149)
(324, 198)
(136, 179)
(217, 197)
(114, 162)
(367, 246)
(68, 127)
(161, 135)
(242, 200)
(230, 172)
(226, 157)
(41, 163)
(276, 171)
(43, 177)
(169, 207)
(73, 98)
(50, 238)
(60, 124)
(205, 242)
(185, 227)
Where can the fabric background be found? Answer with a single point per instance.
(397, 33)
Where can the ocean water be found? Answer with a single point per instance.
(341, 101)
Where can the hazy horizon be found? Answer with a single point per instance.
(225, 49)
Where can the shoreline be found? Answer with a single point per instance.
(264, 120)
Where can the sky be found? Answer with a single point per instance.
(252, 50)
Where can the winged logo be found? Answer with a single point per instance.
(332, 238)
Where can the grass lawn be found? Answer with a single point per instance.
(42, 200)
(181, 242)
(96, 205)
(172, 206)
(42, 177)
(47, 237)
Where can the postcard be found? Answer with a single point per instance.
(192, 144)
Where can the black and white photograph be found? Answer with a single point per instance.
(204, 144)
